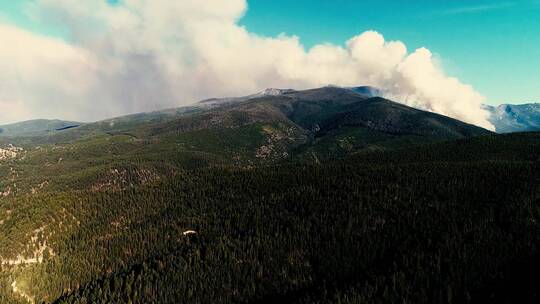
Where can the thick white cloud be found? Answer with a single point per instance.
(144, 55)
(39, 74)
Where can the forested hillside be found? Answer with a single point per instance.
(317, 196)
(444, 223)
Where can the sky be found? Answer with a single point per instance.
(493, 45)
(92, 59)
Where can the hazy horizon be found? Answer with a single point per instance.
(102, 59)
(169, 108)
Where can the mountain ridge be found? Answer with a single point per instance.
(509, 118)
(307, 109)
(506, 118)
(36, 127)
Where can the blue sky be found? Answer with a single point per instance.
(492, 45)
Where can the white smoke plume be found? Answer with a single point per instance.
(142, 55)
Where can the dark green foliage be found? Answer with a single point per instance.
(423, 233)
(359, 230)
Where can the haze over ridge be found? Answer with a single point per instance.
(147, 55)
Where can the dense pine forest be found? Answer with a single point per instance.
(455, 222)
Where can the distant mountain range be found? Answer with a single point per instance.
(515, 118)
(36, 127)
(326, 101)
(269, 126)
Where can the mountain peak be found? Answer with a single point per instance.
(509, 118)
(274, 92)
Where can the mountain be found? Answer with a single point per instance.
(36, 127)
(515, 118)
(323, 110)
(216, 102)
(326, 122)
(276, 124)
(325, 195)
(266, 128)
(338, 121)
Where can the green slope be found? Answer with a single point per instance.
(40, 127)
(428, 227)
